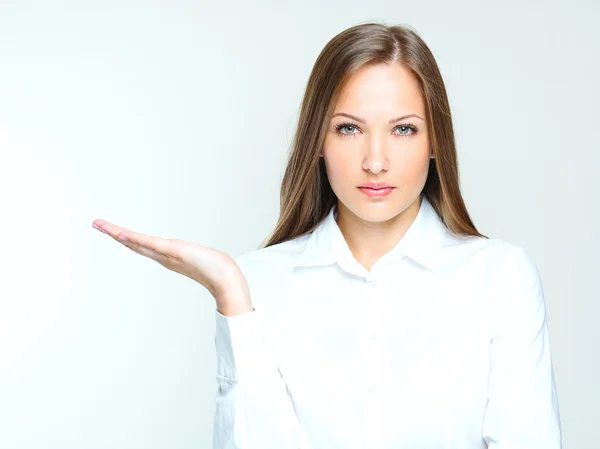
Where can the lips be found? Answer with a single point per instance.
(376, 186)
(376, 190)
(376, 193)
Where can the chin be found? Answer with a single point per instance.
(378, 210)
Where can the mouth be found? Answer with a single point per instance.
(378, 192)
(375, 188)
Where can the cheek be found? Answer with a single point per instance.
(343, 172)
(411, 167)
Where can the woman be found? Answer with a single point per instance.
(375, 315)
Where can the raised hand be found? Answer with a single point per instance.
(213, 269)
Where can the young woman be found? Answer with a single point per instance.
(375, 316)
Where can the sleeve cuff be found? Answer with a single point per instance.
(243, 348)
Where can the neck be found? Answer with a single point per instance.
(369, 241)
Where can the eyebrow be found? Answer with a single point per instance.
(353, 117)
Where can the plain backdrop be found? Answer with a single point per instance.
(175, 119)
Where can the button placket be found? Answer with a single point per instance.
(374, 347)
(372, 407)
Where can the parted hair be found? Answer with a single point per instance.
(306, 197)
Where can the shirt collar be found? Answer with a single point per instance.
(422, 241)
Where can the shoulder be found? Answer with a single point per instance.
(492, 253)
(506, 271)
(505, 268)
(273, 259)
(268, 271)
(514, 281)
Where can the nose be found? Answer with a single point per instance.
(376, 158)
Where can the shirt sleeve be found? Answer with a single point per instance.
(253, 406)
(522, 409)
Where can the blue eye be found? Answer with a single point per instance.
(342, 126)
(408, 129)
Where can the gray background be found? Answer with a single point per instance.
(174, 119)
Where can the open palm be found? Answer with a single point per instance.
(214, 269)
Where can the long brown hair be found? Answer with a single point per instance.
(306, 196)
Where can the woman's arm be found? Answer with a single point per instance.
(522, 410)
(253, 407)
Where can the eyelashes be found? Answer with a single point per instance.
(410, 128)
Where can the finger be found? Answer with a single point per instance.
(153, 245)
(158, 245)
(161, 259)
(111, 229)
(124, 235)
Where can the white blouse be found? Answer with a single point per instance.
(443, 344)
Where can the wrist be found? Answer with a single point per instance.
(234, 301)
(233, 310)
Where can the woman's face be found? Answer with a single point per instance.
(368, 148)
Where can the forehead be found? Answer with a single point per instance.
(385, 88)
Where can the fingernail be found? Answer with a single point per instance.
(122, 237)
(99, 228)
